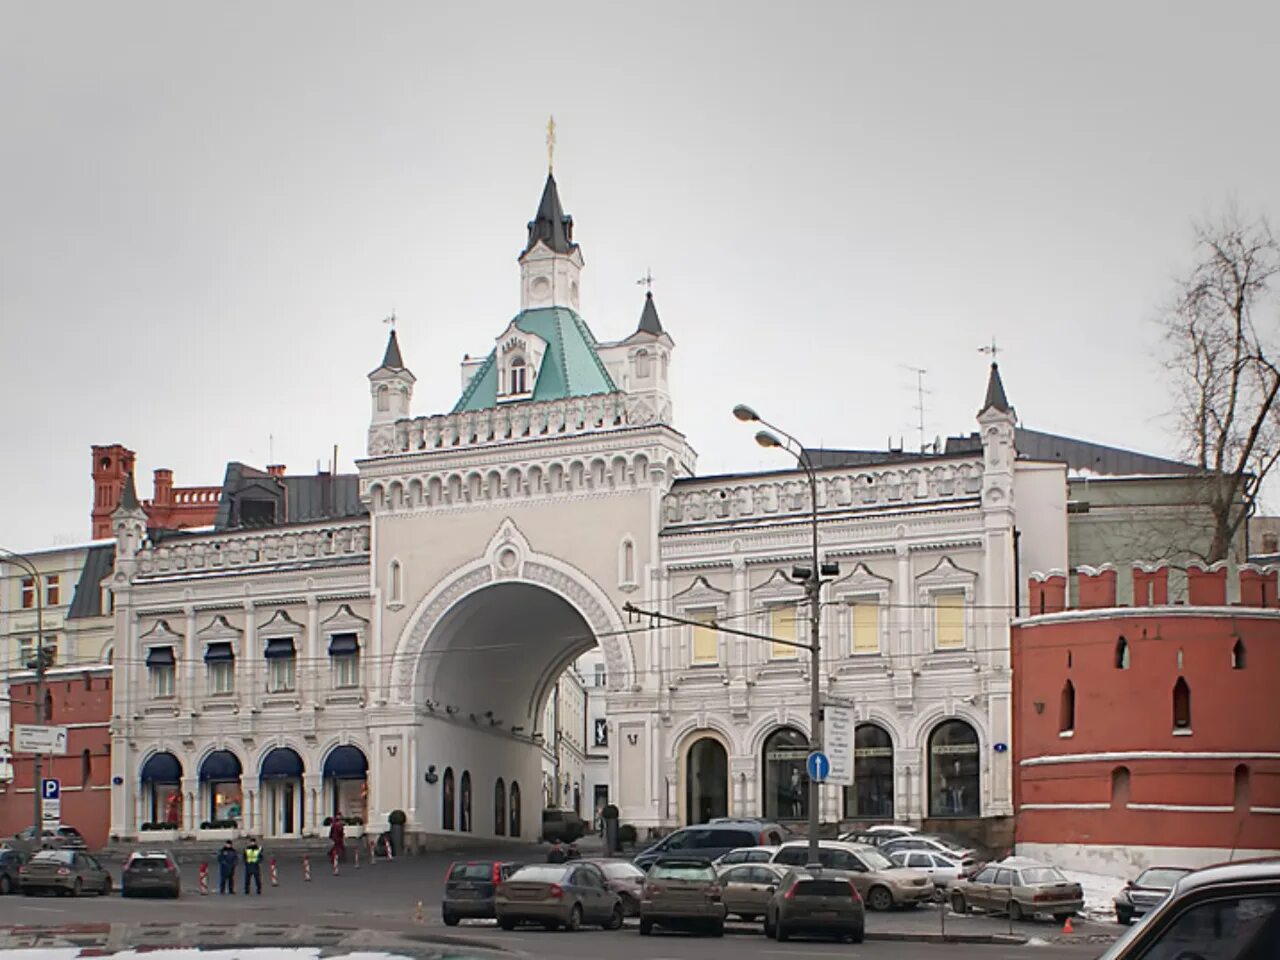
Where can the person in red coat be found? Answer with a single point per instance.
(338, 837)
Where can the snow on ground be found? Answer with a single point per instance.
(1099, 893)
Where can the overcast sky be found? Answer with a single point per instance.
(206, 210)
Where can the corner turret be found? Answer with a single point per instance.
(129, 523)
(551, 263)
(390, 394)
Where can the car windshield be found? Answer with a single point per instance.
(539, 874)
(1034, 875)
(471, 871)
(1161, 878)
(621, 871)
(681, 871)
(875, 860)
(53, 856)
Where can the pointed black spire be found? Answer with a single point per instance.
(129, 499)
(391, 359)
(649, 322)
(551, 225)
(995, 392)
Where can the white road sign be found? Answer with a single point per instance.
(837, 742)
(29, 738)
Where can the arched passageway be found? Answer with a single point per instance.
(706, 781)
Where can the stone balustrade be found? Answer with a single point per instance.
(244, 550)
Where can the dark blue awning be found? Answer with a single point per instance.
(346, 763)
(160, 657)
(343, 644)
(279, 648)
(161, 768)
(220, 766)
(281, 763)
(218, 653)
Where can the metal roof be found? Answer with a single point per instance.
(99, 563)
(550, 224)
(1095, 457)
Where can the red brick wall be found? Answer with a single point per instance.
(1233, 711)
(81, 700)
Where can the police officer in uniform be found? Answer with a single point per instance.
(253, 866)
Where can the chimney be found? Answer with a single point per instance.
(275, 469)
(163, 481)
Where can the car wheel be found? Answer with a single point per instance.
(77, 888)
(1014, 909)
(615, 918)
(507, 923)
(768, 927)
(880, 899)
(782, 934)
(6, 885)
(958, 904)
(449, 917)
(575, 919)
(718, 930)
(1123, 917)
(106, 886)
(858, 935)
(646, 928)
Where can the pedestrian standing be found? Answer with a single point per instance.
(227, 860)
(338, 837)
(253, 866)
(557, 853)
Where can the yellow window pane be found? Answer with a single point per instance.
(706, 643)
(782, 623)
(948, 619)
(866, 627)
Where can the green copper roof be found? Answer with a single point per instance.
(570, 367)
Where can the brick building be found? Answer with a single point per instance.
(170, 508)
(1148, 733)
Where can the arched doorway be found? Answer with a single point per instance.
(500, 808)
(281, 778)
(784, 783)
(706, 781)
(446, 799)
(871, 796)
(161, 778)
(223, 795)
(954, 770)
(464, 803)
(346, 784)
(515, 809)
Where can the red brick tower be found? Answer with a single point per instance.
(111, 465)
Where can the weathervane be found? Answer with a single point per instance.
(551, 143)
(991, 351)
(390, 320)
(646, 281)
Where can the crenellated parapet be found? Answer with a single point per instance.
(245, 552)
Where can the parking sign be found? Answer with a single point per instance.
(51, 803)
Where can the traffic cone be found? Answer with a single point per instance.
(1067, 928)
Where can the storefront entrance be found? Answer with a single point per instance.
(282, 796)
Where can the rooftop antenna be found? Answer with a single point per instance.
(919, 407)
(391, 320)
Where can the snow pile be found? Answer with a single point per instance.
(1099, 893)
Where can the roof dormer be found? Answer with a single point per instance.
(518, 355)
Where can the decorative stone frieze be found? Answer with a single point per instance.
(255, 552)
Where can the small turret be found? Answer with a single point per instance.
(129, 522)
(390, 393)
(551, 263)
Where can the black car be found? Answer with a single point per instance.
(1141, 895)
(711, 840)
(10, 861)
(151, 872)
(816, 903)
(469, 888)
(1226, 912)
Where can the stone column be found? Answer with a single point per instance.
(313, 802)
(191, 663)
(310, 680)
(190, 804)
(247, 693)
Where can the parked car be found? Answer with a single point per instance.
(746, 855)
(563, 825)
(10, 860)
(1152, 886)
(1020, 888)
(63, 871)
(1225, 912)
(626, 880)
(881, 883)
(816, 902)
(930, 843)
(878, 834)
(152, 871)
(941, 869)
(711, 840)
(64, 837)
(682, 893)
(747, 888)
(557, 895)
(469, 889)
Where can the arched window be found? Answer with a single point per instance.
(1237, 655)
(518, 372)
(384, 398)
(954, 770)
(786, 784)
(464, 803)
(1067, 715)
(871, 796)
(706, 781)
(446, 799)
(1181, 705)
(642, 365)
(1120, 787)
(86, 767)
(628, 561)
(515, 809)
(395, 582)
(48, 707)
(500, 808)
(1122, 654)
(1242, 798)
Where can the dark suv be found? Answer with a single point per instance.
(469, 888)
(1227, 912)
(563, 825)
(712, 840)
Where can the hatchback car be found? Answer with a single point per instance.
(747, 888)
(10, 861)
(711, 840)
(1152, 886)
(817, 903)
(940, 868)
(682, 893)
(928, 843)
(469, 889)
(746, 855)
(1020, 888)
(625, 879)
(64, 837)
(64, 872)
(152, 871)
(557, 895)
(881, 883)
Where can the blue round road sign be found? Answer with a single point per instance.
(818, 765)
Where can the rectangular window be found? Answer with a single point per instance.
(222, 677)
(344, 655)
(864, 619)
(161, 671)
(26, 653)
(282, 665)
(599, 675)
(706, 639)
(783, 623)
(52, 591)
(28, 593)
(948, 621)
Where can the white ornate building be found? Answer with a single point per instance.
(397, 651)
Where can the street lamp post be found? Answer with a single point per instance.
(37, 582)
(812, 580)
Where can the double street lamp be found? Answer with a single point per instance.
(812, 579)
(37, 583)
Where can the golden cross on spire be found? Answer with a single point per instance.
(551, 143)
